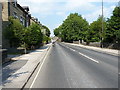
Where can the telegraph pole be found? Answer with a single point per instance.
(102, 27)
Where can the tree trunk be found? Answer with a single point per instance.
(87, 43)
(80, 41)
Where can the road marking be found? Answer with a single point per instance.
(72, 49)
(85, 55)
(89, 57)
(39, 70)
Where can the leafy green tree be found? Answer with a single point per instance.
(32, 35)
(95, 32)
(46, 39)
(56, 32)
(113, 26)
(72, 28)
(46, 30)
(46, 34)
(14, 32)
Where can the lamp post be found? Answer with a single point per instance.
(102, 27)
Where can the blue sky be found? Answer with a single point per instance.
(52, 12)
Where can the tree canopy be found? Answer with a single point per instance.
(14, 32)
(75, 28)
(113, 26)
(18, 35)
(72, 28)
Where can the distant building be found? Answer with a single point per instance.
(35, 20)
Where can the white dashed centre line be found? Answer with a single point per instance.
(72, 49)
(85, 56)
(89, 57)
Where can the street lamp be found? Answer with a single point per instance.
(102, 27)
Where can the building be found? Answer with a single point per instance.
(17, 11)
(35, 20)
(12, 8)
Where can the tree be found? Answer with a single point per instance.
(113, 27)
(95, 32)
(46, 34)
(72, 28)
(14, 32)
(56, 31)
(46, 30)
(32, 35)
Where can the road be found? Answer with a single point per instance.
(69, 66)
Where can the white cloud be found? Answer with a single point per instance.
(47, 7)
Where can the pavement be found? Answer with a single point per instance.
(105, 50)
(68, 66)
(18, 70)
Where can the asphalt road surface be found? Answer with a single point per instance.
(69, 66)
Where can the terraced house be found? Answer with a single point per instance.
(12, 8)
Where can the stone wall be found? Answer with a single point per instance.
(5, 42)
(17, 10)
(5, 11)
(96, 44)
(3, 52)
(0, 32)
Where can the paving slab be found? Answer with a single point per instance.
(19, 76)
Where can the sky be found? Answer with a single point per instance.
(52, 12)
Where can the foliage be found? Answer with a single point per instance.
(96, 32)
(72, 28)
(47, 31)
(14, 32)
(32, 35)
(18, 35)
(46, 34)
(113, 26)
(46, 39)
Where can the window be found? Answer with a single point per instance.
(22, 21)
(14, 3)
(15, 15)
(27, 24)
